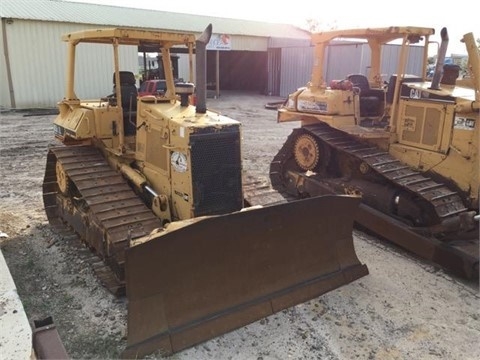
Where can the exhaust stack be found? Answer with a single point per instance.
(442, 51)
(201, 69)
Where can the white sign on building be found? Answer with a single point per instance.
(220, 42)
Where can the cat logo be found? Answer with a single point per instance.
(415, 94)
(418, 94)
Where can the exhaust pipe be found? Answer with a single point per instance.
(201, 69)
(442, 51)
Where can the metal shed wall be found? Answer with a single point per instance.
(38, 64)
(344, 59)
(275, 42)
(392, 52)
(341, 60)
(4, 89)
(249, 43)
(296, 68)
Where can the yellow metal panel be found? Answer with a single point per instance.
(128, 36)
(156, 153)
(382, 35)
(422, 125)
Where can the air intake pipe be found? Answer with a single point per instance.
(201, 69)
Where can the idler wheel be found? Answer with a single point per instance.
(63, 180)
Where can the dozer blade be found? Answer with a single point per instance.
(224, 272)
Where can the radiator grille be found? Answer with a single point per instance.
(216, 171)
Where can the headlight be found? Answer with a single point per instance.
(58, 130)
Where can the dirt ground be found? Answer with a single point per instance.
(404, 309)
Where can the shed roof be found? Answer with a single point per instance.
(94, 14)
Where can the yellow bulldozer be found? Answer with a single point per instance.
(405, 143)
(154, 185)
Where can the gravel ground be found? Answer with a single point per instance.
(404, 309)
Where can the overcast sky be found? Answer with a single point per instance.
(460, 17)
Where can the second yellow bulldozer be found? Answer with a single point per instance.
(153, 184)
(406, 144)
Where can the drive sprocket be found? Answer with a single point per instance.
(306, 152)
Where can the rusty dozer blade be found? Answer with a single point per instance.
(224, 272)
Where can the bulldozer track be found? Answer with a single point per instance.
(458, 255)
(257, 191)
(103, 273)
(106, 208)
(446, 203)
(114, 208)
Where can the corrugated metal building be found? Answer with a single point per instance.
(32, 68)
(265, 57)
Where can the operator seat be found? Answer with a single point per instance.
(129, 93)
(370, 99)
